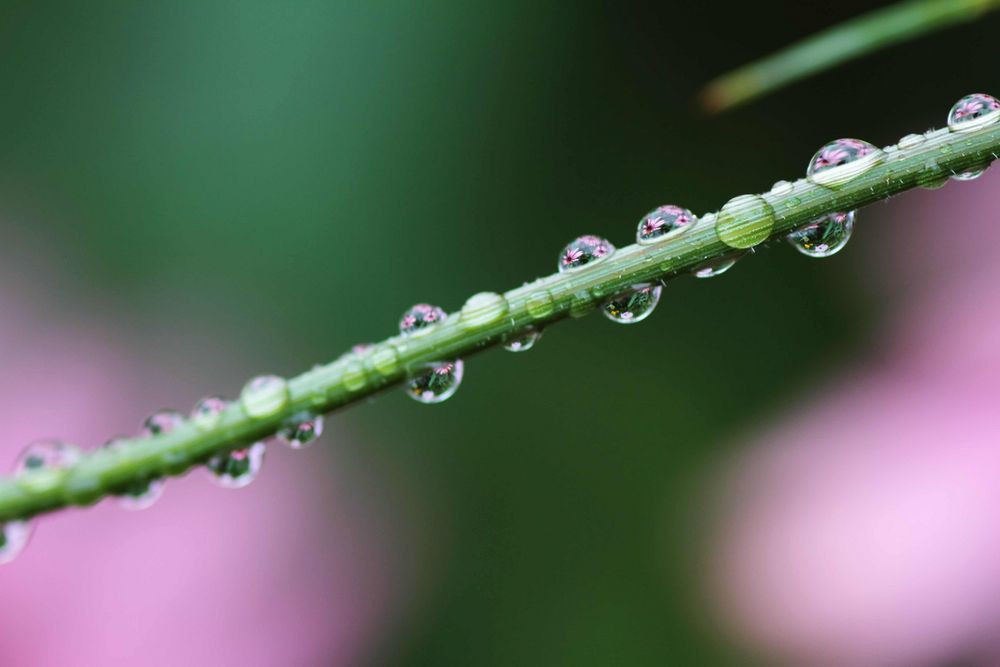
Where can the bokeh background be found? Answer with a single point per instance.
(795, 463)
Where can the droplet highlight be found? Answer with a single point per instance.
(842, 160)
(744, 221)
(301, 430)
(634, 306)
(437, 383)
(664, 222)
(824, 236)
(236, 469)
(264, 396)
(584, 250)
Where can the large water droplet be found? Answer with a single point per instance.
(584, 250)
(301, 430)
(911, 141)
(634, 306)
(50, 454)
(523, 340)
(824, 236)
(664, 222)
(482, 309)
(420, 317)
(973, 111)
(236, 469)
(715, 267)
(264, 396)
(14, 536)
(744, 221)
(208, 411)
(839, 161)
(437, 383)
(163, 421)
(140, 493)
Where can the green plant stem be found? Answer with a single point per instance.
(538, 304)
(841, 43)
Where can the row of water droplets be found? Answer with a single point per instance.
(742, 223)
(263, 396)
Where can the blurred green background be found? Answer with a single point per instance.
(289, 177)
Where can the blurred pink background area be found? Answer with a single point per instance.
(862, 528)
(293, 570)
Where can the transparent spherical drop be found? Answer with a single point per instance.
(714, 268)
(419, 317)
(969, 175)
(14, 536)
(842, 160)
(163, 421)
(207, 412)
(584, 250)
(49, 454)
(973, 111)
(824, 236)
(236, 469)
(523, 340)
(663, 221)
(301, 430)
(438, 383)
(264, 395)
(634, 306)
(138, 494)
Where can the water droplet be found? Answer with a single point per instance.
(140, 493)
(584, 250)
(437, 383)
(163, 421)
(236, 469)
(973, 111)
(386, 360)
(354, 376)
(539, 304)
(50, 454)
(825, 236)
(361, 348)
(14, 536)
(744, 221)
(264, 395)
(969, 175)
(634, 306)
(482, 309)
(523, 341)
(420, 317)
(714, 268)
(208, 411)
(301, 430)
(839, 161)
(781, 188)
(664, 222)
(911, 141)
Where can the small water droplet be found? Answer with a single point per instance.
(361, 348)
(301, 430)
(385, 360)
(715, 267)
(664, 222)
(973, 111)
(482, 309)
(745, 221)
(781, 188)
(162, 421)
(420, 317)
(437, 383)
(539, 304)
(14, 536)
(236, 469)
(911, 141)
(264, 395)
(584, 250)
(207, 412)
(51, 454)
(839, 161)
(968, 175)
(634, 306)
(523, 341)
(824, 236)
(354, 376)
(140, 493)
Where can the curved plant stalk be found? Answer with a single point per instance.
(827, 49)
(490, 319)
